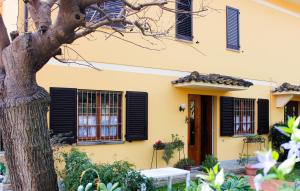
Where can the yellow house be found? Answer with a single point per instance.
(217, 79)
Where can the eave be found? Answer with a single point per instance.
(282, 98)
(209, 86)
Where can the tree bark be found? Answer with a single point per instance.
(27, 142)
(23, 118)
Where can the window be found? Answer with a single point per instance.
(290, 110)
(99, 115)
(232, 28)
(244, 110)
(111, 8)
(184, 19)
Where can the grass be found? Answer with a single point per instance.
(175, 187)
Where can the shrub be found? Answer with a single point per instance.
(78, 164)
(184, 162)
(278, 138)
(209, 162)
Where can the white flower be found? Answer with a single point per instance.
(265, 161)
(219, 180)
(258, 180)
(293, 147)
(206, 187)
(296, 134)
(287, 166)
(80, 188)
(296, 123)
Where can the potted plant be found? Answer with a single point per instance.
(185, 164)
(243, 161)
(159, 145)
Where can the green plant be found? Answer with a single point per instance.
(80, 171)
(184, 162)
(209, 162)
(178, 144)
(2, 169)
(277, 138)
(109, 187)
(175, 144)
(234, 183)
(76, 163)
(168, 152)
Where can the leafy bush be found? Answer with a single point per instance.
(76, 163)
(184, 162)
(209, 162)
(235, 183)
(123, 172)
(278, 138)
(79, 170)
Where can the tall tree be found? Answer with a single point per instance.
(23, 103)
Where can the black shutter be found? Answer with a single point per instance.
(63, 113)
(184, 20)
(227, 117)
(232, 28)
(136, 116)
(263, 116)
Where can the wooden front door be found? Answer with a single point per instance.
(199, 127)
(194, 128)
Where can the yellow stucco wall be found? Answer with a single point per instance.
(269, 53)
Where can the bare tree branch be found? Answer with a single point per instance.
(138, 7)
(4, 38)
(4, 42)
(40, 12)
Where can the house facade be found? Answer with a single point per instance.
(220, 77)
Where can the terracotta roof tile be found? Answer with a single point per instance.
(286, 87)
(213, 79)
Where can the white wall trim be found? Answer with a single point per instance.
(278, 8)
(10, 14)
(143, 70)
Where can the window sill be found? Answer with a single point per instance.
(243, 135)
(234, 50)
(184, 40)
(85, 143)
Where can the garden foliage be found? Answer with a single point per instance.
(79, 170)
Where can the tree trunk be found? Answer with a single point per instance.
(27, 146)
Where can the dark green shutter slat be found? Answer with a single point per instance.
(232, 28)
(111, 8)
(227, 117)
(184, 20)
(63, 113)
(136, 116)
(263, 116)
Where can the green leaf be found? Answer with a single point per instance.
(275, 155)
(291, 121)
(216, 168)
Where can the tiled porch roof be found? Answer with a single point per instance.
(286, 87)
(213, 79)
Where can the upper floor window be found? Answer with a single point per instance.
(110, 8)
(232, 28)
(244, 110)
(184, 20)
(99, 115)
